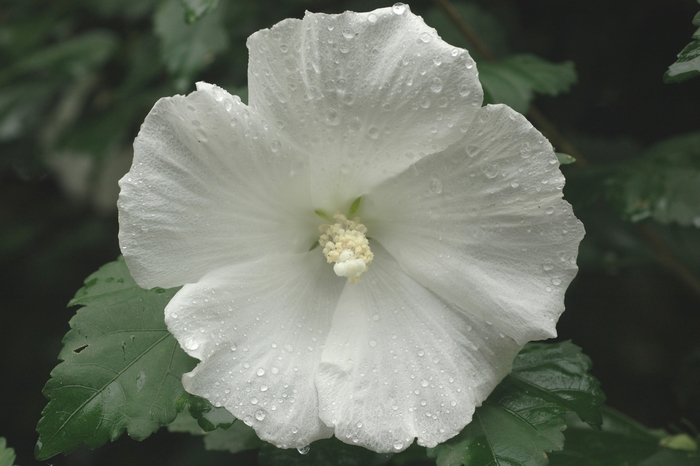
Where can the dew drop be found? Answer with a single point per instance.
(436, 186)
(260, 372)
(304, 450)
(260, 415)
(424, 383)
(372, 18)
(275, 146)
(254, 401)
(436, 85)
(263, 388)
(398, 8)
(348, 33)
(556, 281)
(425, 37)
(398, 445)
(491, 171)
(549, 210)
(190, 344)
(372, 343)
(373, 132)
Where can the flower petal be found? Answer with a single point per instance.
(258, 329)
(484, 225)
(210, 185)
(366, 94)
(401, 363)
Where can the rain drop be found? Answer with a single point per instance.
(372, 18)
(398, 8)
(436, 186)
(436, 85)
(260, 415)
(304, 450)
(260, 372)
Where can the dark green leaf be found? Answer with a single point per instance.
(121, 367)
(7, 455)
(688, 63)
(208, 416)
(73, 57)
(620, 441)
(664, 184)
(328, 451)
(187, 48)
(485, 25)
(558, 373)
(523, 418)
(515, 79)
(354, 206)
(195, 9)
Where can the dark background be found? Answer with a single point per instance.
(637, 321)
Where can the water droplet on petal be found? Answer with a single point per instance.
(436, 85)
(398, 8)
(260, 415)
(425, 37)
(275, 146)
(304, 450)
(372, 18)
(260, 372)
(436, 186)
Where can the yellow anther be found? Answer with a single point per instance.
(345, 243)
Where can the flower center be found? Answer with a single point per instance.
(345, 243)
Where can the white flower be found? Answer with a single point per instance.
(470, 248)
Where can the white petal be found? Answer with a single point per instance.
(210, 185)
(484, 225)
(365, 93)
(259, 329)
(400, 363)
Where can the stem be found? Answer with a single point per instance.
(663, 254)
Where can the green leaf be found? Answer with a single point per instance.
(523, 418)
(328, 451)
(195, 9)
(688, 64)
(664, 184)
(209, 417)
(565, 159)
(514, 80)
(7, 455)
(121, 367)
(187, 48)
(620, 441)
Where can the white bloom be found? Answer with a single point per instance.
(470, 248)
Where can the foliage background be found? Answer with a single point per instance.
(69, 113)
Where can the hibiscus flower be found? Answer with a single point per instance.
(445, 244)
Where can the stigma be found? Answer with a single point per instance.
(345, 244)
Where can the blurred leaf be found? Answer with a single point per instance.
(664, 184)
(688, 63)
(21, 107)
(485, 25)
(524, 417)
(73, 57)
(327, 451)
(515, 79)
(620, 441)
(187, 48)
(195, 9)
(7, 455)
(121, 367)
(126, 8)
(565, 159)
(144, 64)
(238, 437)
